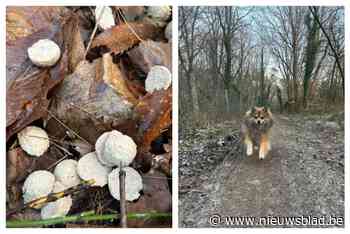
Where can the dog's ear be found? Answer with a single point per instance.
(265, 109)
(252, 111)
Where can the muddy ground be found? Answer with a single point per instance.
(303, 176)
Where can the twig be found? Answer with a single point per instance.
(83, 217)
(127, 24)
(59, 121)
(57, 162)
(123, 220)
(61, 148)
(94, 31)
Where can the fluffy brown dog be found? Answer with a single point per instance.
(256, 128)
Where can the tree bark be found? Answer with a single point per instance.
(194, 96)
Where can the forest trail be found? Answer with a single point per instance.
(303, 175)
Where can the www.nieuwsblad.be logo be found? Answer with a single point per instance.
(304, 220)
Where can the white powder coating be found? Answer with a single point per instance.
(133, 184)
(168, 32)
(161, 13)
(159, 77)
(33, 140)
(90, 168)
(38, 184)
(66, 173)
(114, 147)
(107, 20)
(44, 53)
(57, 208)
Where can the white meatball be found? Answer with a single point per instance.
(90, 168)
(133, 184)
(33, 140)
(44, 53)
(161, 13)
(113, 148)
(159, 77)
(106, 20)
(66, 173)
(38, 184)
(57, 208)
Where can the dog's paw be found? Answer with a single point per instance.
(261, 155)
(249, 150)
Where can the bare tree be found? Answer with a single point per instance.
(332, 42)
(188, 51)
(312, 47)
(234, 57)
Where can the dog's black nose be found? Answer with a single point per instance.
(259, 121)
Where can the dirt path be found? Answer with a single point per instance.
(302, 176)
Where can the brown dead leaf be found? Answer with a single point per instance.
(154, 114)
(163, 162)
(122, 37)
(27, 214)
(150, 53)
(134, 79)
(18, 163)
(156, 198)
(114, 77)
(14, 196)
(74, 43)
(128, 127)
(22, 21)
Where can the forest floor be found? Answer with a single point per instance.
(303, 176)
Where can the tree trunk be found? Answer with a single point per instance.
(227, 100)
(194, 96)
(311, 52)
(262, 80)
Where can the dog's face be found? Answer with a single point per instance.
(260, 115)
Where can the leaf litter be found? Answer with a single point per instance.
(79, 98)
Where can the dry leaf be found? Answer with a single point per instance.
(163, 162)
(120, 38)
(113, 76)
(154, 113)
(150, 53)
(27, 214)
(22, 21)
(156, 198)
(74, 43)
(18, 163)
